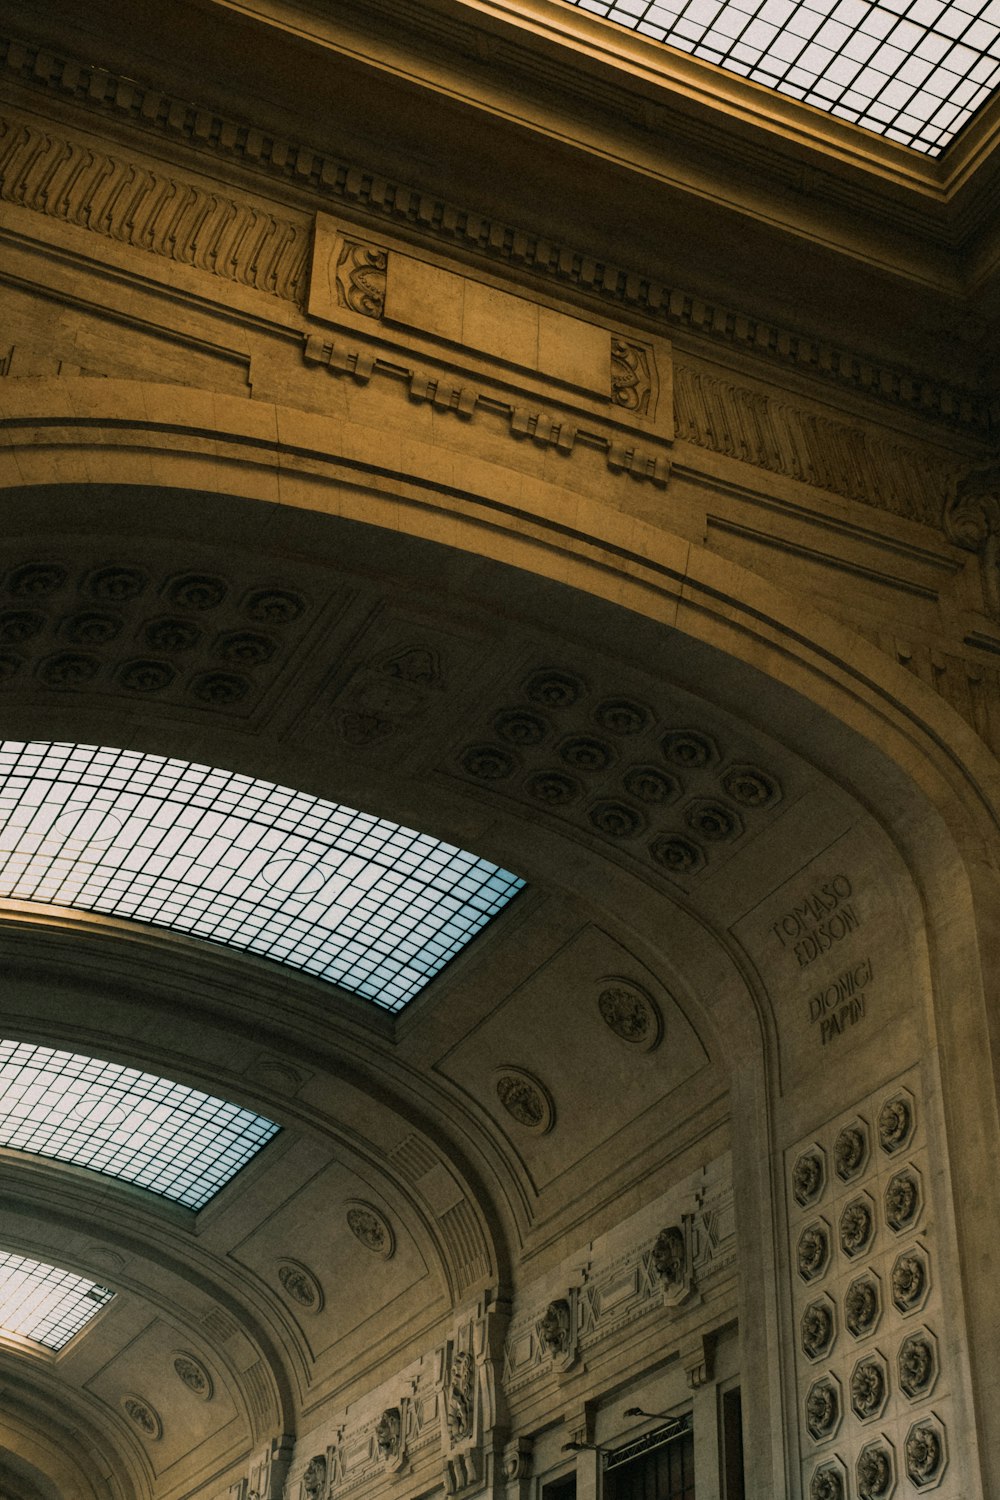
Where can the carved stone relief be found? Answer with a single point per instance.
(389, 1433)
(371, 1228)
(153, 210)
(525, 1098)
(926, 1453)
(817, 449)
(895, 1122)
(360, 277)
(814, 1250)
(862, 1306)
(917, 1363)
(910, 1280)
(460, 1396)
(876, 1471)
(301, 1285)
(828, 1482)
(314, 1478)
(669, 1258)
(818, 1328)
(630, 1013)
(555, 1326)
(857, 1226)
(143, 1416)
(869, 1387)
(631, 383)
(903, 1200)
(823, 1409)
(850, 1151)
(194, 1375)
(809, 1177)
(611, 1295)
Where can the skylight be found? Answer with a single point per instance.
(163, 1136)
(376, 908)
(913, 70)
(44, 1302)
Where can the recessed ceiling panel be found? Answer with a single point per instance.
(137, 1127)
(373, 907)
(913, 70)
(46, 1303)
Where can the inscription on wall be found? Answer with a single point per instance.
(834, 948)
(822, 917)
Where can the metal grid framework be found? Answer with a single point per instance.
(375, 908)
(913, 70)
(137, 1127)
(46, 1303)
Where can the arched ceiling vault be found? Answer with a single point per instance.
(621, 765)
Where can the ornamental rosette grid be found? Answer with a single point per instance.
(863, 1264)
(192, 636)
(670, 795)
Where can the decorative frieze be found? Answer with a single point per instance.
(151, 209)
(817, 450)
(103, 92)
(667, 1270)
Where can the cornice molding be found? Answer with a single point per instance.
(371, 195)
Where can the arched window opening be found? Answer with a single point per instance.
(371, 906)
(46, 1303)
(163, 1136)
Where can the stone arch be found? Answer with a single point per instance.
(922, 773)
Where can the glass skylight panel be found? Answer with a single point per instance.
(913, 70)
(45, 1303)
(374, 907)
(135, 1126)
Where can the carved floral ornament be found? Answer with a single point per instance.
(972, 521)
(917, 1363)
(828, 1483)
(192, 1373)
(630, 1013)
(823, 1409)
(809, 1176)
(869, 1387)
(143, 1416)
(850, 1150)
(862, 1306)
(818, 1328)
(876, 1471)
(371, 1228)
(301, 1285)
(525, 1098)
(925, 1453)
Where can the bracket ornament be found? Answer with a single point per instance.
(360, 276)
(972, 521)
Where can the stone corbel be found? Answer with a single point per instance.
(698, 1359)
(972, 521)
(517, 1461)
(579, 1423)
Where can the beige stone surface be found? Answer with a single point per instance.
(623, 437)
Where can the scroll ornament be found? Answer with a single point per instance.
(972, 521)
